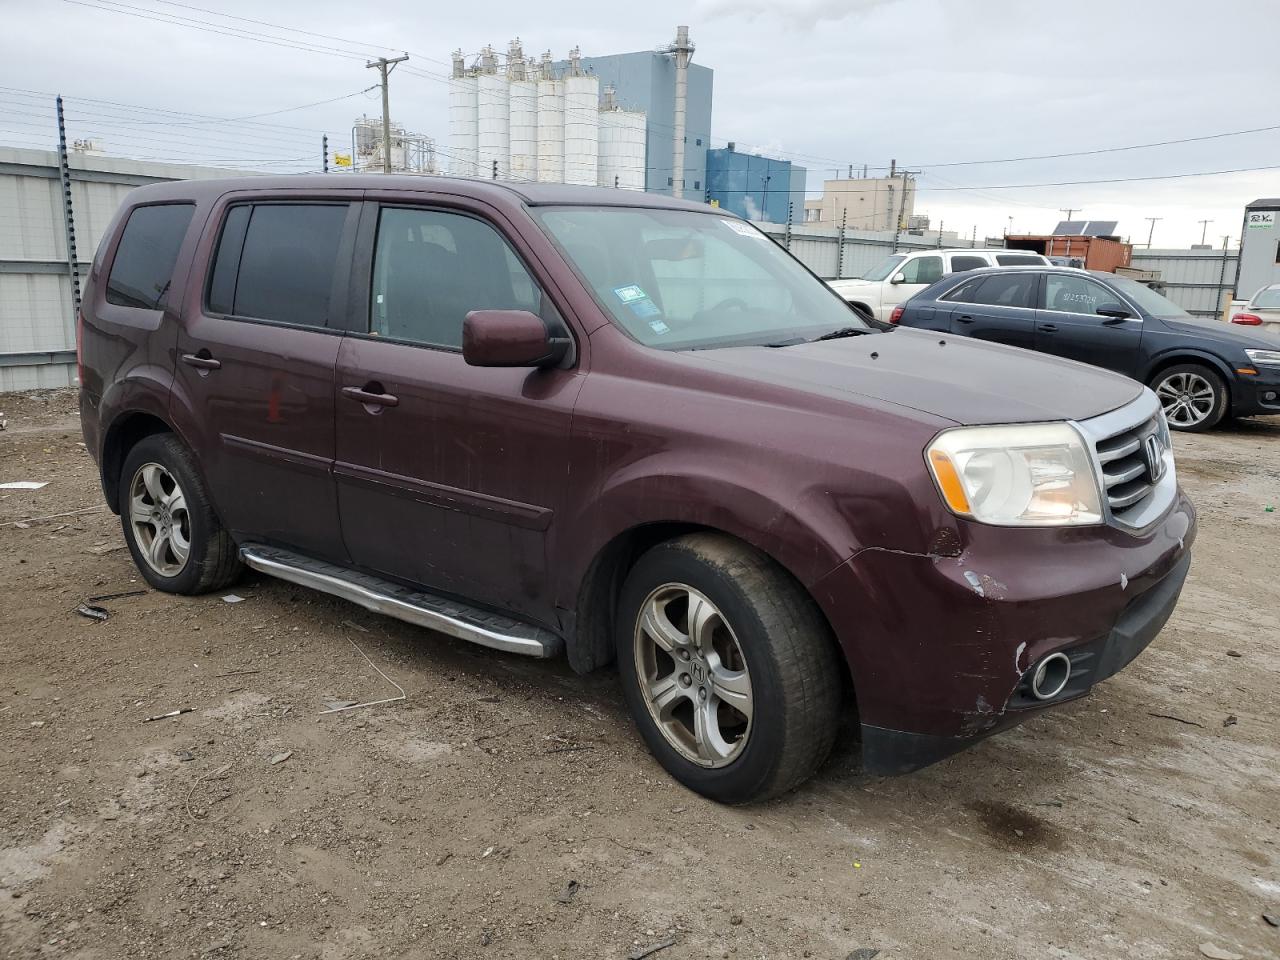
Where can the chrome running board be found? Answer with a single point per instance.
(451, 617)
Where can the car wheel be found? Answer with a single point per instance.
(1194, 397)
(169, 523)
(729, 668)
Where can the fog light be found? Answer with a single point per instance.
(1269, 396)
(1051, 676)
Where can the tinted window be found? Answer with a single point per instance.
(288, 263)
(963, 293)
(143, 267)
(1074, 294)
(430, 269)
(923, 270)
(222, 287)
(1019, 260)
(967, 262)
(1006, 290)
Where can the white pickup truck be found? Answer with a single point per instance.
(901, 276)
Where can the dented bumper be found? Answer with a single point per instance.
(941, 647)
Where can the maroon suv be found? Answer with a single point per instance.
(611, 425)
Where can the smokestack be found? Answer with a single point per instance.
(682, 50)
(459, 64)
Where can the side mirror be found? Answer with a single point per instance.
(899, 278)
(1112, 311)
(510, 338)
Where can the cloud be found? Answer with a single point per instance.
(798, 13)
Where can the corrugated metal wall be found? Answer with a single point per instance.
(37, 325)
(1199, 281)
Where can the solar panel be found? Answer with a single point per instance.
(1070, 228)
(1101, 228)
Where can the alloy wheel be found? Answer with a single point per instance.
(693, 676)
(160, 520)
(1188, 398)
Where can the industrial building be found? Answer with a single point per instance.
(863, 203)
(1259, 262)
(756, 187)
(629, 120)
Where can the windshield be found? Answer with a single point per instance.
(883, 268)
(1268, 298)
(679, 279)
(1148, 299)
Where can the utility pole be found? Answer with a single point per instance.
(1152, 232)
(844, 214)
(1068, 211)
(902, 203)
(385, 66)
(68, 217)
(1204, 229)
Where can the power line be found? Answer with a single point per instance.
(1080, 183)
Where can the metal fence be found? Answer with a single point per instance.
(1199, 281)
(37, 313)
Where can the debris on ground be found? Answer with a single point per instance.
(443, 858)
(1234, 653)
(92, 612)
(1231, 720)
(116, 596)
(24, 485)
(184, 756)
(1170, 716)
(639, 953)
(281, 757)
(567, 894)
(166, 716)
(1217, 953)
(233, 598)
(1272, 919)
(863, 953)
(368, 703)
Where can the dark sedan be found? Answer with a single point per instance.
(1201, 370)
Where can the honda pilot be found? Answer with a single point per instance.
(624, 429)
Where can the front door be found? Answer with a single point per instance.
(256, 354)
(1068, 324)
(999, 307)
(917, 273)
(449, 476)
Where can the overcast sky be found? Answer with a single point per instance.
(832, 82)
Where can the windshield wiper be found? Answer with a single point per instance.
(841, 334)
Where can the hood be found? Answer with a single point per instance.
(954, 378)
(1232, 333)
(853, 283)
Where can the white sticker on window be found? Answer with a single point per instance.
(629, 293)
(744, 229)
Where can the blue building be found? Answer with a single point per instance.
(647, 81)
(755, 187)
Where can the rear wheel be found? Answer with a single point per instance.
(1193, 396)
(728, 668)
(169, 523)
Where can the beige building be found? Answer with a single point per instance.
(868, 204)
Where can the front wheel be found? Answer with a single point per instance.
(1194, 397)
(728, 667)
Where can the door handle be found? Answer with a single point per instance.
(371, 395)
(1048, 328)
(965, 319)
(202, 361)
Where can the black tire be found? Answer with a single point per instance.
(212, 561)
(789, 654)
(1188, 371)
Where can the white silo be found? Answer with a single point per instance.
(581, 124)
(622, 146)
(462, 120)
(523, 95)
(493, 136)
(550, 124)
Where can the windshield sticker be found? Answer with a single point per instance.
(630, 294)
(743, 229)
(657, 326)
(644, 308)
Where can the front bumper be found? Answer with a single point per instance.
(941, 647)
(1255, 395)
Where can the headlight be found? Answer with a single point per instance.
(1035, 475)
(1265, 358)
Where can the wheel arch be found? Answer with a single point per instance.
(126, 430)
(1177, 357)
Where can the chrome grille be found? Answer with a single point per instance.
(1126, 474)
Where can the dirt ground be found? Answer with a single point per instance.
(507, 808)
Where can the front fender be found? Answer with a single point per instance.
(1190, 355)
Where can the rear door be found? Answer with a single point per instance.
(452, 476)
(256, 355)
(998, 307)
(1068, 325)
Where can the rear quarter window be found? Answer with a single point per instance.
(967, 262)
(143, 266)
(1019, 260)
